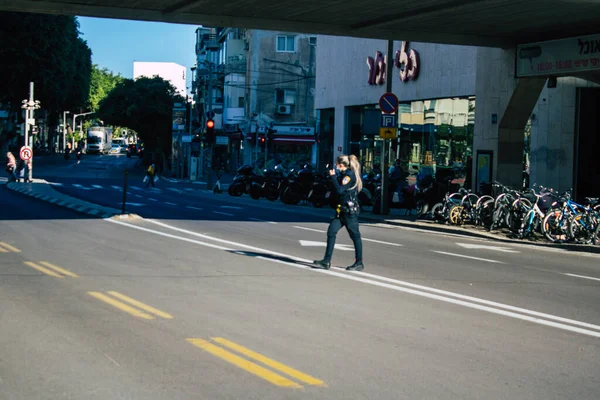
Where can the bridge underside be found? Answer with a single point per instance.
(495, 23)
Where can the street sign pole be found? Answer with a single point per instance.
(388, 88)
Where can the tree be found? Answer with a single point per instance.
(144, 105)
(102, 82)
(46, 50)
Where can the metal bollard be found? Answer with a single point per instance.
(124, 192)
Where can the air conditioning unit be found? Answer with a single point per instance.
(284, 109)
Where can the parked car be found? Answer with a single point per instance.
(115, 149)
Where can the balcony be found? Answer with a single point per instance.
(210, 41)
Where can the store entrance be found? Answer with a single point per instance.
(587, 171)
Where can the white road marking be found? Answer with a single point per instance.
(309, 243)
(584, 277)
(136, 188)
(133, 204)
(78, 186)
(382, 242)
(117, 187)
(232, 207)
(573, 327)
(189, 189)
(169, 203)
(97, 186)
(175, 190)
(55, 184)
(194, 208)
(151, 199)
(472, 258)
(222, 213)
(262, 220)
(138, 195)
(364, 239)
(487, 247)
(309, 229)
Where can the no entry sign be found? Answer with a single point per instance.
(26, 153)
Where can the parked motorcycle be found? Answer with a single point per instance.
(242, 182)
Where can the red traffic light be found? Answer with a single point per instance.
(262, 139)
(210, 124)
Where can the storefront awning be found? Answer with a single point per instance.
(294, 139)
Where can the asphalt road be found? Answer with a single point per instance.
(219, 302)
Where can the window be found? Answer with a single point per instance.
(286, 44)
(241, 102)
(285, 96)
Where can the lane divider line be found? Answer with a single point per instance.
(469, 257)
(301, 376)
(43, 270)
(262, 220)
(141, 305)
(583, 277)
(355, 278)
(308, 229)
(194, 208)
(9, 247)
(59, 269)
(169, 203)
(121, 306)
(244, 364)
(223, 213)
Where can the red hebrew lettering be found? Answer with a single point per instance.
(594, 61)
(577, 63)
(377, 67)
(584, 62)
(408, 63)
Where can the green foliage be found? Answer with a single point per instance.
(46, 50)
(144, 105)
(103, 81)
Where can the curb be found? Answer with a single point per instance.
(72, 203)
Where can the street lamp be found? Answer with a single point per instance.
(64, 144)
(74, 117)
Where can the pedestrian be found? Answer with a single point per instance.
(348, 184)
(150, 175)
(11, 167)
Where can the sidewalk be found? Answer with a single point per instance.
(42, 190)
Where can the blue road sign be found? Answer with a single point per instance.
(388, 121)
(388, 103)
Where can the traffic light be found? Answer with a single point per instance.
(210, 131)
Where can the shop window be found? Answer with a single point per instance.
(286, 44)
(285, 96)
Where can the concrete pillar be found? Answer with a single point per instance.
(511, 137)
(340, 138)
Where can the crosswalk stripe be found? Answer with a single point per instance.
(97, 186)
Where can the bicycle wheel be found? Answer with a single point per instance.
(456, 215)
(555, 227)
(582, 228)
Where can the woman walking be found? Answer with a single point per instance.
(348, 184)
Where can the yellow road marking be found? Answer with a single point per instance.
(240, 362)
(141, 305)
(120, 306)
(271, 363)
(43, 270)
(59, 269)
(3, 250)
(9, 247)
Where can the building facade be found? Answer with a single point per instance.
(461, 109)
(259, 86)
(436, 102)
(169, 71)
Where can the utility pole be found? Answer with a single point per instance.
(210, 90)
(73, 129)
(388, 88)
(29, 106)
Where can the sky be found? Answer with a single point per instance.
(116, 44)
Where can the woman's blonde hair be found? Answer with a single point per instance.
(351, 162)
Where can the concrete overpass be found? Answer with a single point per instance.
(493, 23)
